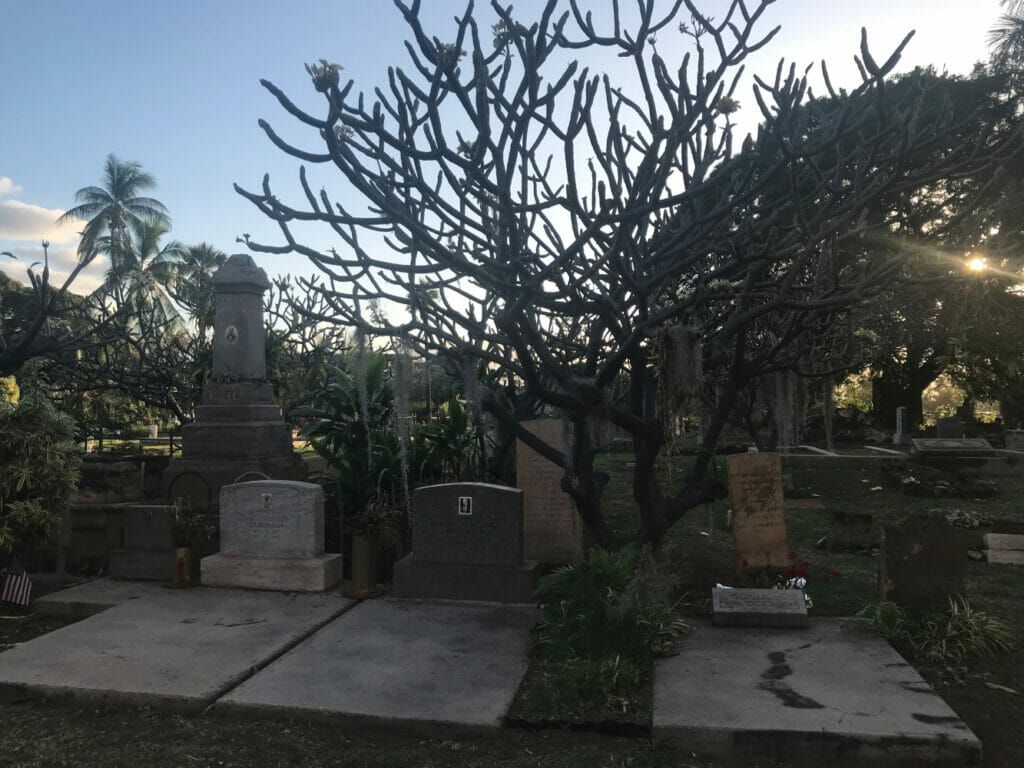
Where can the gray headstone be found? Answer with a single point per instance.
(1013, 439)
(922, 562)
(468, 523)
(952, 427)
(272, 518)
(758, 608)
(902, 436)
(850, 531)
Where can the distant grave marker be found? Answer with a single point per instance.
(923, 561)
(552, 530)
(758, 522)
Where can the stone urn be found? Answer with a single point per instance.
(365, 545)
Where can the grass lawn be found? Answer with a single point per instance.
(698, 553)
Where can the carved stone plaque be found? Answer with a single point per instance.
(758, 523)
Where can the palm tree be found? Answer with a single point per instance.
(191, 284)
(112, 209)
(141, 269)
(1007, 36)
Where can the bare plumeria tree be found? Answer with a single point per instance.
(535, 222)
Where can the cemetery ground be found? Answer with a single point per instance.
(564, 716)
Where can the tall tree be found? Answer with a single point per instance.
(578, 230)
(115, 206)
(142, 268)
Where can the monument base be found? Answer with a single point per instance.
(278, 574)
(145, 564)
(200, 479)
(458, 581)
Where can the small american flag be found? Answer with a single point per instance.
(17, 586)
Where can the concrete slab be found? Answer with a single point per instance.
(399, 661)
(181, 648)
(1004, 541)
(1004, 556)
(92, 597)
(833, 692)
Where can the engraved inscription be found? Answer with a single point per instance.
(759, 525)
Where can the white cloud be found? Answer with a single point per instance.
(8, 187)
(25, 221)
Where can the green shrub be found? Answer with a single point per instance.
(39, 463)
(604, 620)
(607, 605)
(952, 636)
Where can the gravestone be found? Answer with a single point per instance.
(272, 537)
(467, 544)
(1004, 548)
(238, 427)
(949, 428)
(922, 562)
(1013, 439)
(758, 608)
(902, 436)
(552, 530)
(850, 531)
(758, 523)
(952, 453)
(148, 549)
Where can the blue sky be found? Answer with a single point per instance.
(176, 87)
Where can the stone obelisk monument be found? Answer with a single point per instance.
(239, 432)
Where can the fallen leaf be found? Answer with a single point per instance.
(1003, 688)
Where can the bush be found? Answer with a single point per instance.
(39, 463)
(604, 621)
(953, 636)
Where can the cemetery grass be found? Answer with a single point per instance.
(699, 551)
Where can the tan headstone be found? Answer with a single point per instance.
(758, 523)
(552, 529)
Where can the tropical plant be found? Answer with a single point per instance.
(190, 284)
(953, 636)
(352, 428)
(450, 445)
(39, 463)
(112, 208)
(142, 270)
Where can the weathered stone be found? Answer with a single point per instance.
(1013, 439)
(272, 537)
(952, 428)
(280, 574)
(148, 526)
(108, 482)
(552, 530)
(272, 518)
(238, 429)
(1005, 557)
(468, 523)
(850, 531)
(903, 426)
(952, 447)
(467, 544)
(1004, 541)
(923, 561)
(758, 608)
(758, 522)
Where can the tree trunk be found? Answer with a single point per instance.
(889, 394)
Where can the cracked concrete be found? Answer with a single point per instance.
(833, 691)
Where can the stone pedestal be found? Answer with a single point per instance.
(467, 544)
(239, 432)
(148, 551)
(272, 537)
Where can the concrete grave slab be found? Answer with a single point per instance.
(758, 608)
(410, 662)
(1005, 556)
(1004, 541)
(832, 692)
(181, 648)
(92, 597)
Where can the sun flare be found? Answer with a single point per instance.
(977, 264)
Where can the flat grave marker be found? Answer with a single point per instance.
(758, 608)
